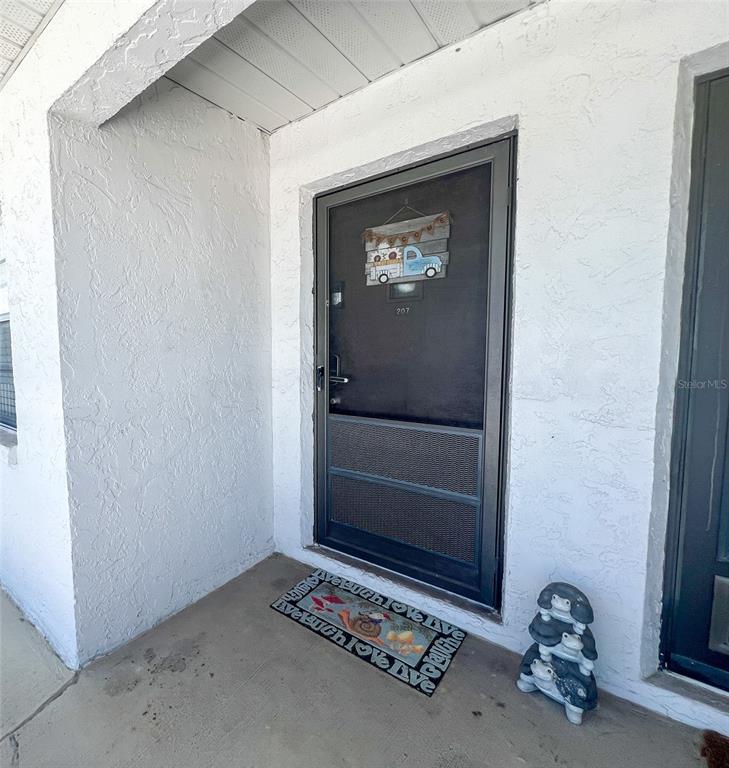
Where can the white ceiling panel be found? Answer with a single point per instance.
(13, 32)
(218, 90)
(448, 21)
(20, 14)
(262, 52)
(352, 34)
(20, 25)
(218, 58)
(285, 25)
(400, 27)
(281, 59)
(41, 6)
(488, 12)
(9, 50)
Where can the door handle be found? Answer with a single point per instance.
(335, 378)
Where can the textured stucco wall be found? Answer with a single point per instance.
(162, 257)
(97, 56)
(35, 535)
(593, 87)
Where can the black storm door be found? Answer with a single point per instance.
(413, 295)
(696, 630)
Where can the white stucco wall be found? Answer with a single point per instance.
(109, 52)
(163, 288)
(592, 88)
(35, 535)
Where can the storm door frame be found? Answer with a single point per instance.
(501, 153)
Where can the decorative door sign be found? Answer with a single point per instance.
(405, 251)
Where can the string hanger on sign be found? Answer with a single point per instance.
(405, 207)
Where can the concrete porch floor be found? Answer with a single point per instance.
(229, 682)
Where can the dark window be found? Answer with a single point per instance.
(7, 388)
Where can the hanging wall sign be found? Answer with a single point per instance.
(405, 251)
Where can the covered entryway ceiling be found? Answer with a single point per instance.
(21, 21)
(282, 59)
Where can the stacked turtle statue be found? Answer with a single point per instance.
(561, 660)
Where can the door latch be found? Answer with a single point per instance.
(320, 378)
(336, 378)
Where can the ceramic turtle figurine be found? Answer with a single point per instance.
(560, 680)
(561, 660)
(562, 601)
(557, 638)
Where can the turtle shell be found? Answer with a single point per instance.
(589, 649)
(578, 689)
(548, 633)
(527, 659)
(580, 608)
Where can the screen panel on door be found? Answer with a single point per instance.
(405, 399)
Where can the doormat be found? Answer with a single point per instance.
(408, 644)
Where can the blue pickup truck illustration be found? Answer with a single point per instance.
(402, 262)
(417, 264)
